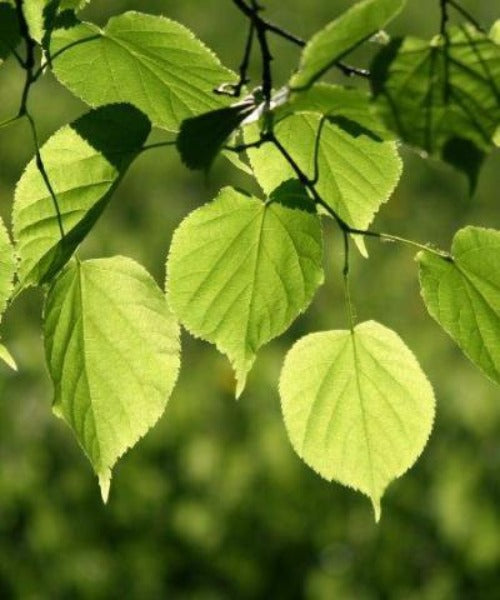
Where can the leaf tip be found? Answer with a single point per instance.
(104, 484)
(377, 509)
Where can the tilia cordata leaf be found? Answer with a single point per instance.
(149, 61)
(463, 295)
(357, 167)
(357, 407)
(84, 162)
(240, 270)
(341, 36)
(442, 95)
(112, 348)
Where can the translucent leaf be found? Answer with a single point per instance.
(358, 170)
(7, 358)
(237, 162)
(463, 295)
(440, 93)
(241, 270)
(149, 61)
(346, 106)
(112, 349)
(357, 407)
(7, 267)
(201, 138)
(341, 36)
(84, 162)
(9, 30)
(41, 15)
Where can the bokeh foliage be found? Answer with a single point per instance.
(214, 504)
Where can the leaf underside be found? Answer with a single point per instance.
(240, 270)
(357, 407)
(112, 349)
(463, 295)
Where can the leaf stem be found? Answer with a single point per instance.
(10, 121)
(158, 145)
(347, 287)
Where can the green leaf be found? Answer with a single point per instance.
(463, 295)
(440, 93)
(84, 162)
(341, 36)
(240, 270)
(201, 138)
(357, 407)
(41, 15)
(9, 30)
(346, 106)
(112, 349)
(8, 267)
(7, 358)
(149, 61)
(358, 170)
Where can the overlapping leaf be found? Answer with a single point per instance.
(9, 30)
(201, 138)
(341, 36)
(41, 15)
(463, 295)
(357, 168)
(442, 96)
(149, 61)
(357, 407)
(112, 349)
(241, 270)
(84, 162)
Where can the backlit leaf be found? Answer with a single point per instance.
(463, 295)
(341, 36)
(357, 407)
(149, 61)
(84, 162)
(112, 348)
(241, 270)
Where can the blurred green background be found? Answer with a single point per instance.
(213, 503)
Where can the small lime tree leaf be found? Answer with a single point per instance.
(7, 358)
(113, 353)
(436, 93)
(463, 295)
(341, 36)
(9, 30)
(240, 270)
(84, 162)
(357, 407)
(201, 138)
(357, 170)
(8, 265)
(149, 61)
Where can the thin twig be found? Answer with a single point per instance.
(234, 90)
(41, 167)
(347, 287)
(467, 15)
(444, 16)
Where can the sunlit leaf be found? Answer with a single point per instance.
(241, 270)
(84, 162)
(7, 267)
(149, 61)
(357, 407)
(463, 295)
(112, 349)
(357, 169)
(341, 36)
